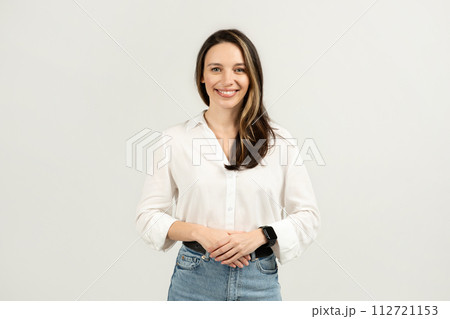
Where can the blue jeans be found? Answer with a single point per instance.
(199, 277)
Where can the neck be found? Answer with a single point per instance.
(224, 121)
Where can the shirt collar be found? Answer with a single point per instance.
(196, 120)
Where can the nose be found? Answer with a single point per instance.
(227, 77)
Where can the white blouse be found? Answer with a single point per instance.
(278, 193)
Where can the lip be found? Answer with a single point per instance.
(226, 96)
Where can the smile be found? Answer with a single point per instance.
(226, 93)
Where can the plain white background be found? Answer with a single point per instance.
(367, 81)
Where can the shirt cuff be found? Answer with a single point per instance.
(286, 247)
(155, 234)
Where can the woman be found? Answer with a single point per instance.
(240, 205)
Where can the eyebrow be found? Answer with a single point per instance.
(222, 65)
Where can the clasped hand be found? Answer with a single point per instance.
(232, 248)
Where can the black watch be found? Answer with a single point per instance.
(270, 235)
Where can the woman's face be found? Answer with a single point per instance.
(225, 76)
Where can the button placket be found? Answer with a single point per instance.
(230, 199)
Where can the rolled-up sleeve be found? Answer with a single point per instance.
(300, 226)
(154, 211)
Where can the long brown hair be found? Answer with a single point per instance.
(252, 107)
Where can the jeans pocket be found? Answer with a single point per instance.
(188, 260)
(267, 265)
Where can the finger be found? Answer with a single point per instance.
(229, 254)
(244, 261)
(232, 264)
(221, 250)
(236, 263)
(233, 258)
(219, 244)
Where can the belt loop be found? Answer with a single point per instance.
(253, 256)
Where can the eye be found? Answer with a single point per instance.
(243, 70)
(212, 69)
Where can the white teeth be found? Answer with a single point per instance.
(227, 92)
